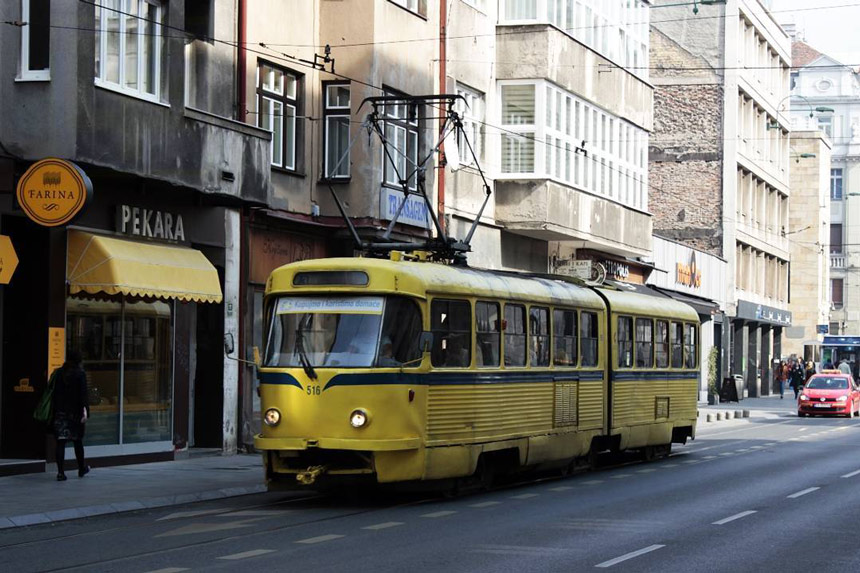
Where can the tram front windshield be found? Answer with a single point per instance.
(343, 332)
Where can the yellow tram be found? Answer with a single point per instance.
(400, 370)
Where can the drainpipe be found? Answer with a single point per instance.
(443, 32)
(242, 64)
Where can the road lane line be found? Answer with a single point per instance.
(319, 539)
(524, 496)
(246, 554)
(668, 465)
(631, 555)
(170, 570)
(592, 482)
(485, 504)
(803, 492)
(560, 488)
(646, 471)
(439, 514)
(385, 525)
(620, 476)
(852, 474)
(734, 517)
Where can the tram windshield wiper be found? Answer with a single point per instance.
(300, 348)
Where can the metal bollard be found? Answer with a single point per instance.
(719, 416)
(709, 418)
(746, 413)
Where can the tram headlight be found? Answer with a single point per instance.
(272, 417)
(358, 419)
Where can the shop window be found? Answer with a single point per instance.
(450, 321)
(400, 158)
(588, 338)
(336, 136)
(401, 334)
(644, 343)
(35, 40)
(661, 344)
(515, 335)
(676, 342)
(278, 102)
(538, 336)
(564, 337)
(691, 346)
(624, 341)
(488, 337)
(127, 351)
(129, 47)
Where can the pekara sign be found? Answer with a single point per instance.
(52, 192)
(140, 222)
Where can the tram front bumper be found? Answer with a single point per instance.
(275, 444)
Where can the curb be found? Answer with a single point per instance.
(125, 506)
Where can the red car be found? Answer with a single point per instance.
(829, 393)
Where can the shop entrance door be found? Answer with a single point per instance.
(209, 377)
(25, 336)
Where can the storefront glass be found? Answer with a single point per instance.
(131, 391)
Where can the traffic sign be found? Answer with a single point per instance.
(8, 260)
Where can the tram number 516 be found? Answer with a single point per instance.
(313, 390)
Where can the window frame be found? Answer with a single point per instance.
(25, 73)
(595, 323)
(158, 46)
(661, 343)
(417, 7)
(688, 328)
(450, 331)
(472, 113)
(335, 112)
(837, 175)
(637, 344)
(401, 121)
(566, 314)
(286, 100)
(673, 342)
(523, 335)
(620, 362)
(543, 336)
(481, 334)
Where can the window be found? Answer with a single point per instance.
(518, 116)
(836, 184)
(644, 343)
(834, 328)
(417, 6)
(35, 40)
(836, 286)
(588, 338)
(129, 47)
(515, 335)
(564, 337)
(538, 336)
(400, 157)
(624, 342)
(451, 323)
(836, 238)
(471, 111)
(691, 346)
(675, 340)
(277, 102)
(661, 344)
(336, 113)
(487, 327)
(401, 334)
(825, 124)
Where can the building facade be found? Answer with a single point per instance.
(826, 96)
(720, 163)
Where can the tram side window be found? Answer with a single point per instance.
(690, 346)
(624, 342)
(644, 343)
(515, 335)
(662, 344)
(488, 337)
(401, 332)
(677, 345)
(564, 336)
(539, 336)
(588, 338)
(451, 323)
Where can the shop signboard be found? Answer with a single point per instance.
(8, 259)
(52, 192)
(414, 212)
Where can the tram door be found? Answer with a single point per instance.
(24, 356)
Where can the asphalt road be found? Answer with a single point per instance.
(780, 494)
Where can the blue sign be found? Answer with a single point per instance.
(823, 328)
(413, 213)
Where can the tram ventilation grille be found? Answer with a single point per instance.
(565, 404)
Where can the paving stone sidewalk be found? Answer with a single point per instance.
(30, 499)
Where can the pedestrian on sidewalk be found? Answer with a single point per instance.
(781, 377)
(71, 410)
(796, 375)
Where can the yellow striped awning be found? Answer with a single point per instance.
(116, 266)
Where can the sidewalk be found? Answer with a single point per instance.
(765, 407)
(30, 499)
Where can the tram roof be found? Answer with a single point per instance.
(423, 278)
(652, 304)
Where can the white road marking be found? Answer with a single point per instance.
(727, 454)
(246, 554)
(319, 539)
(620, 476)
(646, 471)
(560, 488)
(170, 570)
(803, 492)
(710, 457)
(669, 465)
(734, 517)
(257, 513)
(439, 514)
(852, 474)
(803, 429)
(181, 514)
(385, 525)
(592, 482)
(524, 496)
(485, 504)
(756, 447)
(770, 444)
(691, 461)
(631, 555)
(195, 528)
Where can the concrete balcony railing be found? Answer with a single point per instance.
(837, 260)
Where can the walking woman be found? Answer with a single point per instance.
(71, 411)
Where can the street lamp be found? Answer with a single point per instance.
(812, 110)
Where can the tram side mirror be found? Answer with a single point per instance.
(425, 341)
(229, 344)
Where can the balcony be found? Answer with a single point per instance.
(837, 260)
